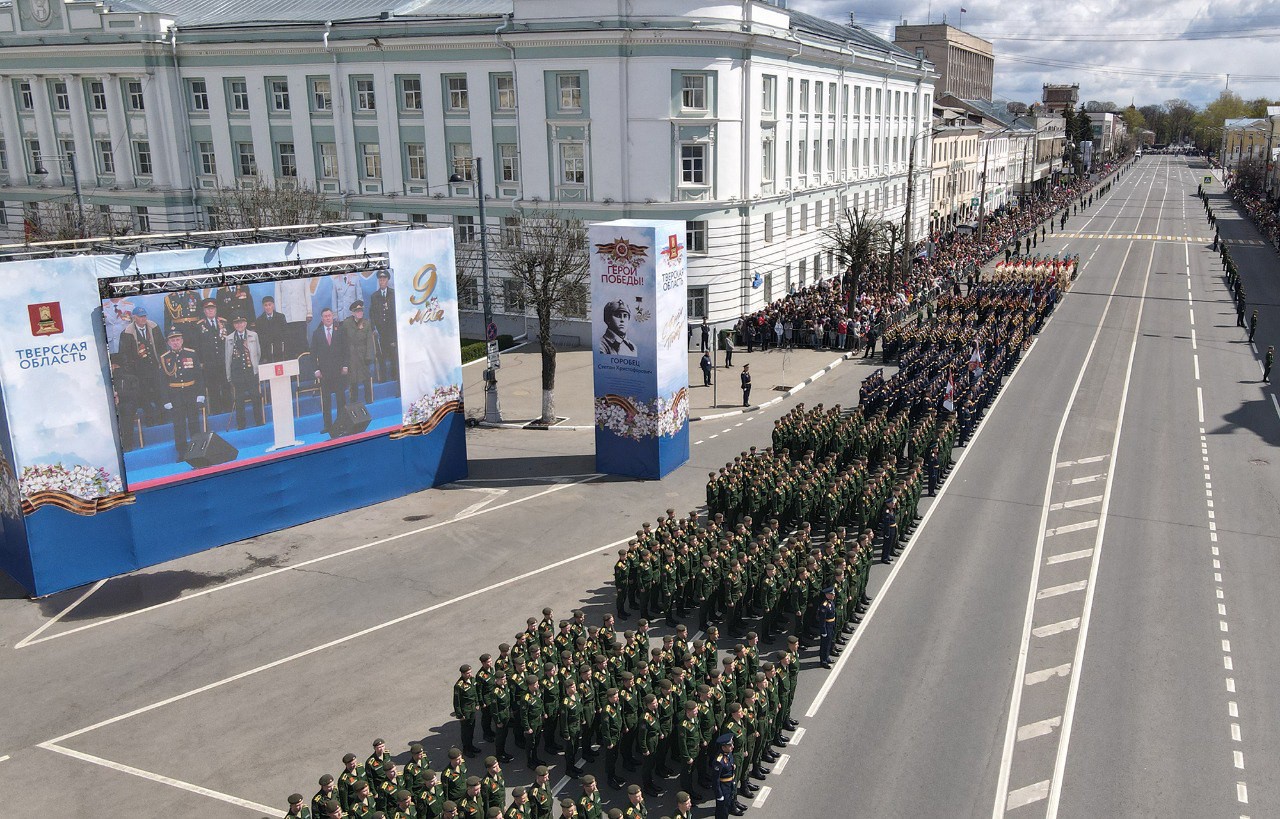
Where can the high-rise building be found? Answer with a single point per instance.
(965, 63)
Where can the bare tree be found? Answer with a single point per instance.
(260, 204)
(547, 255)
(59, 221)
(861, 243)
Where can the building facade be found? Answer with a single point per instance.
(755, 125)
(1058, 98)
(965, 63)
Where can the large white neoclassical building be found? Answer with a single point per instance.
(754, 124)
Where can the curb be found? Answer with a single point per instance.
(790, 392)
(491, 425)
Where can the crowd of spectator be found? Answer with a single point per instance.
(1261, 212)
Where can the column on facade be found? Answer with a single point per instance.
(389, 130)
(169, 128)
(481, 121)
(259, 125)
(11, 131)
(438, 159)
(344, 134)
(81, 134)
(220, 132)
(300, 126)
(118, 129)
(46, 133)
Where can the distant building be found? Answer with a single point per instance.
(965, 63)
(1057, 98)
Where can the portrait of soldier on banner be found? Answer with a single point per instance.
(614, 341)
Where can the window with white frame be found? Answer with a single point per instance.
(279, 95)
(411, 93)
(695, 236)
(26, 100)
(513, 295)
(246, 162)
(142, 157)
(787, 157)
(61, 99)
(693, 163)
(769, 96)
(328, 155)
(4, 158)
(697, 299)
(416, 153)
(508, 162)
(464, 229)
(803, 155)
(208, 162)
(504, 86)
(766, 160)
(198, 96)
(804, 96)
(768, 227)
(831, 99)
(68, 148)
(573, 163)
(366, 101)
(693, 92)
(239, 93)
(457, 96)
(136, 102)
(321, 94)
(510, 231)
(97, 95)
(370, 160)
(142, 219)
(791, 92)
(817, 98)
(460, 158)
(831, 154)
(106, 157)
(286, 160)
(569, 87)
(817, 157)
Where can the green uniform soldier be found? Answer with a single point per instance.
(329, 809)
(375, 767)
(531, 719)
(387, 788)
(589, 805)
(499, 705)
(412, 774)
(362, 804)
(519, 807)
(470, 805)
(430, 798)
(647, 735)
(493, 788)
(328, 790)
(404, 808)
(484, 678)
(1266, 367)
(568, 809)
(540, 793)
(611, 736)
(298, 807)
(352, 772)
(570, 725)
(466, 706)
(636, 808)
(688, 744)
(454, 777)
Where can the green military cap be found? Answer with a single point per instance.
(295, 798)
(546, 611)
(614, 813)
(530, 679)
(330, 806)
(587, 779)
(681, 796)
(726, 661)
(361, 783)
(490, 761)
(494, 813)
(642, 623)
(415, 747)
(566, 803)
(598, 658)
(464, 668)
(473, 781)
(348, 759)
(541, 770)
(793, 640)
(484, 658)
(751, 635)
(327, 779)
(548, 666)
(567, 654)
(766, 666)
(501, 672)
(428, 774)
(379, 741)
(650, 698)
(759, 676)
(632, 790)
(377, 814)
(402, 795)
(611, 692)
(664, 684)
(504, 647)
(715, 672)
(449, 804)
(517, 792)
(455, 753)
(642, 664)
(689, 705)
(704, 689)
(627, 675)
(531, 621)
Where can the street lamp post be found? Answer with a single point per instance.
(70, 160)
(492, 406)
(911, 185)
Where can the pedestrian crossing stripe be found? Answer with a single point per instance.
(1151, 237)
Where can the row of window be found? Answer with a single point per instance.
(866, 101)
(95, 95)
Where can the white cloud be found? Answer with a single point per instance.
(1124, 49)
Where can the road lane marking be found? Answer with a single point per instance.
(1238, 759)
(1027, 795)
(1235, 732)
(164, 780)
(1090, 460)
(1072, 527)
(1233, 710)
(33, 635)
(1063, 558)
(5, 758)
(1065, 588)
(564, 780)
(1036, 677)
(781, 764)
(1088, 479)
(1038, 729)
(760, 797)
(796, 736)
(1196, 360)
(311, 562)
(1242, 793)
(1056, 628)
(1072, 504)
(1200, 404)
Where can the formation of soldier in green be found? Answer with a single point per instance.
(788, 538)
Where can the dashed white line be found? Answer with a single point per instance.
(1027, 795)
(1088, 479)
(1196, 360)
(783, 759)
(1200, 404)
(1093, 459)
(1065, 588)
(1069, 556)
(4, 758)
(760, 797)
(1038, 729)
(1235, 732)
(1242, 793)
(1072, 504)
(1072, 527)
(1056, 628)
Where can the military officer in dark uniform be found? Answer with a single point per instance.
(827, 624)
(382, 313)
(183, 389)
(270, 327)
(724, 774)
(211, 345)
(182, 312)
(243, 354)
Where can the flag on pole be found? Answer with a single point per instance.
(964, 10)
(949, 399)
(975, 358)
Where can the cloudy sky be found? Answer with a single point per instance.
(1146, 51)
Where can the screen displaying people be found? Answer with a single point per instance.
(193, 361)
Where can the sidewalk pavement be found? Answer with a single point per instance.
(775, 375)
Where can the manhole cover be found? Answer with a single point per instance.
(1260, 462)
(781, 388)
(413, 518)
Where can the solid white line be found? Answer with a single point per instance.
(461, 483)
(1088, 479)
(796, 736)
(337, 642)
(164, 780)
(1275, 403)
(1036, 677)
(781, 764)
(1071, 527)
(1027, 795)
(760, 797)
(1038, 729)
(1020, 676)
(1072, 504)
(1063, 558)
(1068, 716)
(26, 640)
(1065, 588)
(310, 562)
(897, 564)
(1200, 404)
(1056, 628)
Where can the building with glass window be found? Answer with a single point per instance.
(754, 124)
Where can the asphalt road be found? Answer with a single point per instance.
(1082, 626)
